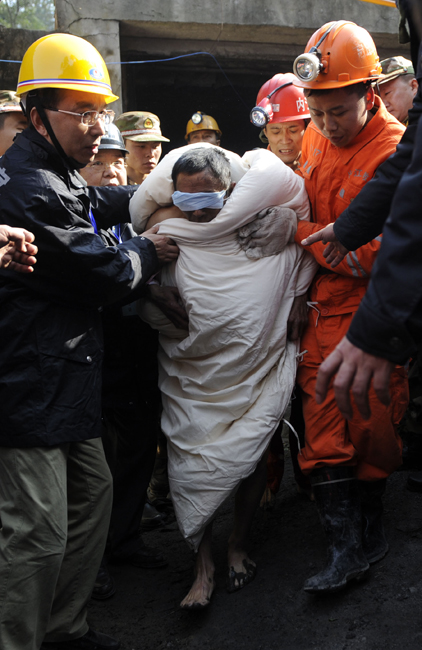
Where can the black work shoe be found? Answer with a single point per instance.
(414, 482)
(92, 640)
(104, 584)
(151, 518)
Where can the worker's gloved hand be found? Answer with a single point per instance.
(270, 232)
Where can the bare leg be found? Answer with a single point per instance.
(203, 586)
(247, 501)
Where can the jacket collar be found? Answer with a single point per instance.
(31, 140)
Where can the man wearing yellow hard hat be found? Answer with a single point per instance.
(55, 487)
(202, 128)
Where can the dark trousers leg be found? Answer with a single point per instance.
(130, 442)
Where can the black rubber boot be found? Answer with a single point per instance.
(374, 543)
(337, 499)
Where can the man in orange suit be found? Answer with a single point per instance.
(351, 134)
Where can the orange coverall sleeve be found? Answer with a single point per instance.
(356, 264)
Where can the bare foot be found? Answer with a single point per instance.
(200, 592)
(242, 570)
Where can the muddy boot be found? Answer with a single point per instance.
(337, 499)
(374, 543)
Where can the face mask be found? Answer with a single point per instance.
(188, 201)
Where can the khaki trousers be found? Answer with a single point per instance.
(55, 505)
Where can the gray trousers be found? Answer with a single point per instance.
(55, 505)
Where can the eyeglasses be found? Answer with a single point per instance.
(89, 118)
(100, 166)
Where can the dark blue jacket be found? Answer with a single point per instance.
(50, 326)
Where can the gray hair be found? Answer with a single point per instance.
(210, 159)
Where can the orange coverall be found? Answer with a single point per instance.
(333, 177)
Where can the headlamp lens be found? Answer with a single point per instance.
(197, 118)
(307, 67)
(259, 117)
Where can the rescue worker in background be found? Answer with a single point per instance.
(286, 117)
(398, 87)
(55, 485)
(142, 135)
(351, 134)
(202, 128)
(282, 114)
(130, 396)
(12, 119)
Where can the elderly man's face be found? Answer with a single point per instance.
(107, 168)
(398, 95)
(200, 182)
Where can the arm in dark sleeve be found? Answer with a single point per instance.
(73, 264)
(389, 318)
(110, 205)
(364, 219)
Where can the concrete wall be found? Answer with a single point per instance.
(225, 13)
(256, 33)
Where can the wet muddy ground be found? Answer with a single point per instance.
(273, 613)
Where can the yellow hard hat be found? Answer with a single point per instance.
(64, 61)
(201, 122)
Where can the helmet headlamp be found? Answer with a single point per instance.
(263, 113)
(308, 66)
(197, 117)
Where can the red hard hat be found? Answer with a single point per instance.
(288, 103)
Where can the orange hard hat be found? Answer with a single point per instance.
(339, 54)
(288, 103)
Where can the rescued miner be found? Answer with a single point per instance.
(227, 381)
(351, 134)
(55, 486)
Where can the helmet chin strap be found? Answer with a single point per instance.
(70, 162)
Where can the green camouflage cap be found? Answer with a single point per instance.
(394, 67)
(9, 103)
(140, 127)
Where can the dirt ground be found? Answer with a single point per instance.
(273, 613)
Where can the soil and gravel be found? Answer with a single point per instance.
(273, 613)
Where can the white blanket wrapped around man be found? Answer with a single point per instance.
(225, 384)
